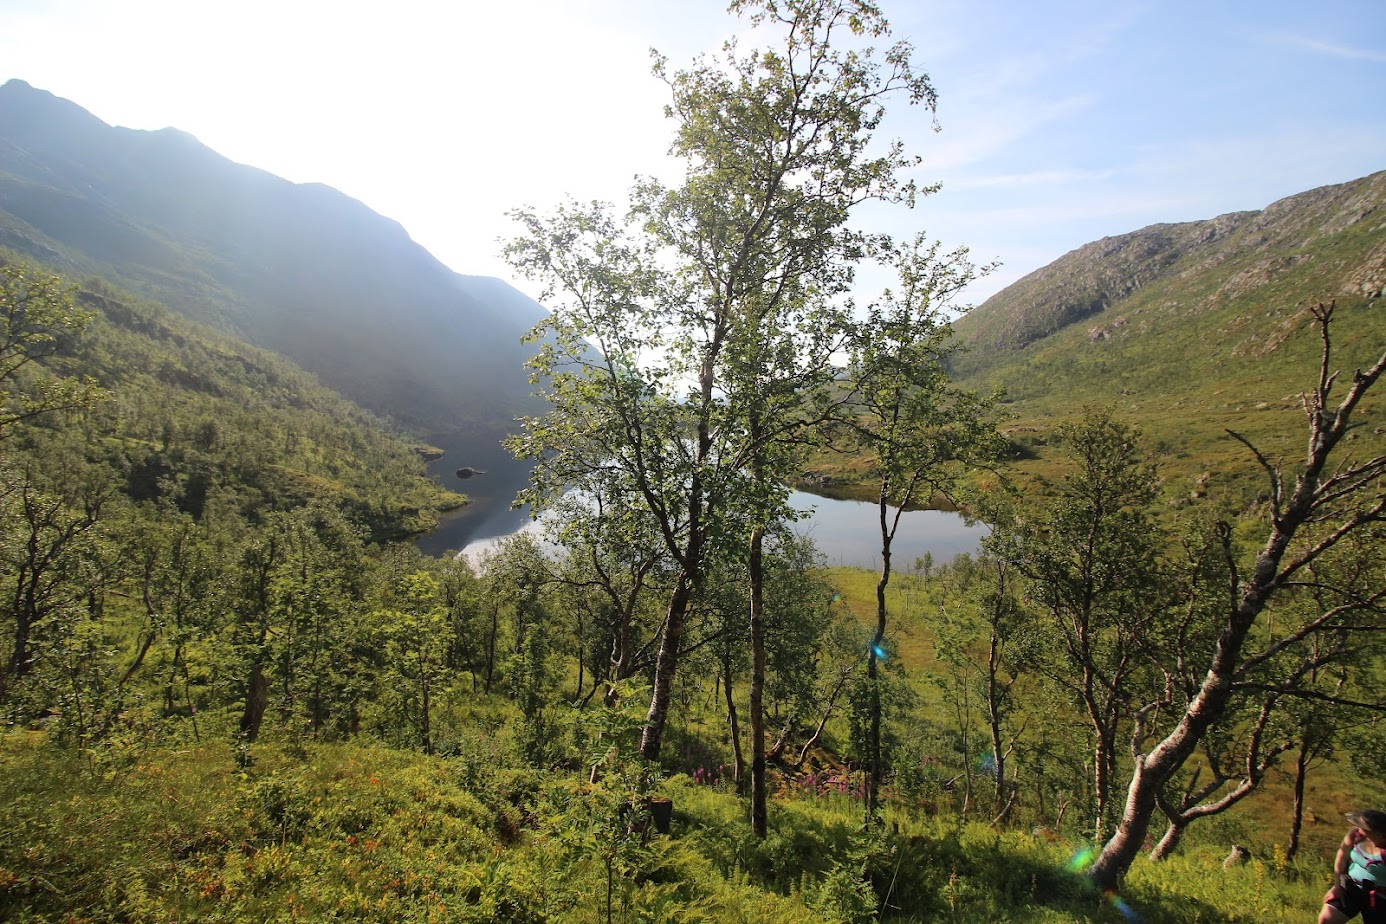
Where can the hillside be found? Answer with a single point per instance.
(225, 695)
(300, 269)
(1189, 329)
(191, 418)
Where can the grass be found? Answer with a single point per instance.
(907, 605)
(1220, 340)
(176, 830)
(360, 832)
(1190, 366)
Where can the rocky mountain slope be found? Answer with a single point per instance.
(297, 268)
(1190, 329)
(1234, 254)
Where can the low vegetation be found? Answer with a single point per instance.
(426, 741)
(230, 692)
(144, 830)
(180, 416)
(1187, 331)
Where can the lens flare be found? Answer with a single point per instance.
(879, 652)
(1126, 910)
(1081, 860)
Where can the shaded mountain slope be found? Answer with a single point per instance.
(192, 419)
(297, 268)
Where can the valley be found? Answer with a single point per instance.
(247, 425)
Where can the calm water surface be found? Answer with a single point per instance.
(489, 515)
(846, 532)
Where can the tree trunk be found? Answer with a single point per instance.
(426, 725)
(1102, 783)
(874, 770)
(994, 722)
(1306, 502)
(18, 663)
(756, 566)
(823, 722)
(738, 759)
(690, 562)
(665, 664)
(1118, 853)
(146, 641)
(23, 610)
(491, 647)
(1301, 772)
(256, 699)
(1153, 770)
(873, 741)
(192, 707)
(776, 750)
(581, 657)
(967, 773)
(1173, 835)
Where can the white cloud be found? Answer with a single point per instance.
(1035, 178)
(1332, 49)
(984, 132)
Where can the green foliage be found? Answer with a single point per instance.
(890, 697)
(412, 641)
(213, 640)
(37, 321)
(716, 307)
(195, 418)
(301, 269)
(1092, 560)
(604, 828)
(366, 832)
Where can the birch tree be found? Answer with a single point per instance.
(1316, 510)
(919, 432)
(669, 329)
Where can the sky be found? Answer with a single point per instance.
(1059, 122)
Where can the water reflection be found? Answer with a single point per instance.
(845, 531)
(489, 514)
(848, 532)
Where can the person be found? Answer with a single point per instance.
(1359, 872)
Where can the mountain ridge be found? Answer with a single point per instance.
(299, 268)
(1189, 331)
(1091, 279)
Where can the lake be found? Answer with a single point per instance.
(848, 532)
(489, 514)
(845, 531)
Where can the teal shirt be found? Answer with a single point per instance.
(1365, 868)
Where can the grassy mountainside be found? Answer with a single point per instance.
(297, 268)
(316, 829)
(1190, 329)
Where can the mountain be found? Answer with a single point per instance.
(300, 269)
(193, 420)
(1190, 329)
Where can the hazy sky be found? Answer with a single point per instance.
(1061, 121)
